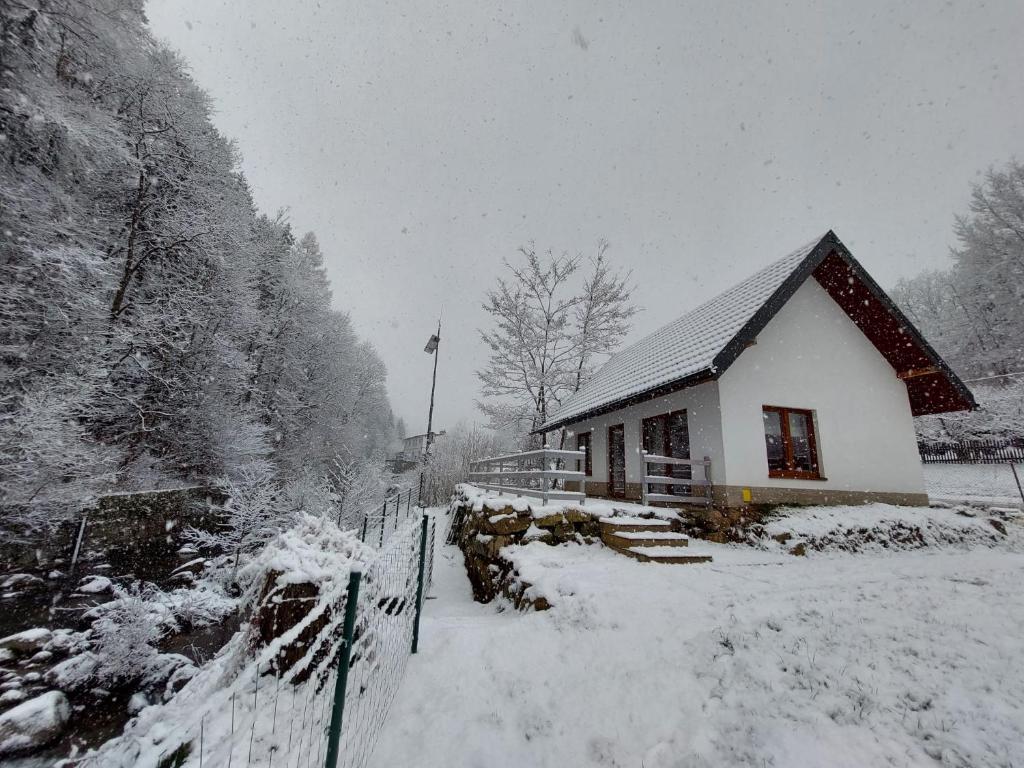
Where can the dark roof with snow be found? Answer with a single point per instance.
(704, 342)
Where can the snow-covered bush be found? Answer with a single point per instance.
(125, 634)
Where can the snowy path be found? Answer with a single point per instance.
(755, 659)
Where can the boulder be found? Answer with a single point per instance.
(505, 523)
(29, 641)
(34, 723)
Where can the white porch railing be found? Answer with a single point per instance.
(530, 473)
(650, 478)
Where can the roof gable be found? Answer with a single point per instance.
(703, 343)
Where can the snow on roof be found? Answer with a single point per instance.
(685, 346)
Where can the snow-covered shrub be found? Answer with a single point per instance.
(199, 606)
(126, 631)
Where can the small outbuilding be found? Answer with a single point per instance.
(798, 385)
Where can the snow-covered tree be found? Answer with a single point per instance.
(153, 327)
(971, 312)
(252, 515)
(548, 332)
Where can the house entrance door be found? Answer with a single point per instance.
(617, 461)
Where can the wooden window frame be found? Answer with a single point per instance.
(588, 463)
(787, 444)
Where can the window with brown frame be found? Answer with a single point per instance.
(791, 443)
(583, 443)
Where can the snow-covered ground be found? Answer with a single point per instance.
(987, 483)
(757, 659)
(881, 527)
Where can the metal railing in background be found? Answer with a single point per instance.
(972, 451)
(532, 473)
(662, 471)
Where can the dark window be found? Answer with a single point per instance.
(790, 442)
(669, 435)
(583, 443)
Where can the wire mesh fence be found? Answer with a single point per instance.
(277, 710)
(378, 524)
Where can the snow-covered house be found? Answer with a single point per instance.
(799, 385)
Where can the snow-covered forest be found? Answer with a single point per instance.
(971, 312)
(158, 330)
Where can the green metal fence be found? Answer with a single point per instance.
(328, 709)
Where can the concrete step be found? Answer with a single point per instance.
(662, 554)
(626, 539)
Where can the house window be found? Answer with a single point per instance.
(789, 439)
(583, 444)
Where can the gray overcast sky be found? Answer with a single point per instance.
(423, 142)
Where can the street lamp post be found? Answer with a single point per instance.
(432, 349)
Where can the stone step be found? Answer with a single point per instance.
(662, 554)
(632, 524)
(626, 539)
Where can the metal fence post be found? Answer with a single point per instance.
(1017, 479)
(383, 518)
(366, 519)
(341, 682)
(419, 496)
(419, 584)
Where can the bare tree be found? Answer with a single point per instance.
(547, 335)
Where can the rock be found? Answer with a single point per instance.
(137, 703)
(42, 657)
(576, 515)
(94, 585)
(998, 525)
(13, 696)
(73, 673)
(533, 533)
(550, 521)
(505, 523)
(799, 550)
(62, 641)
(34, 723)
(29, 641)
(6, 655)
(21, 581)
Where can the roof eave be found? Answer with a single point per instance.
(690, 380)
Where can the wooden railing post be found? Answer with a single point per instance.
(707, 480)
(643, 477)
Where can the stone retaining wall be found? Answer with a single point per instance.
(486, 526)
(135, 532)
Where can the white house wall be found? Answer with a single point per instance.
(704, 421)
(812, 356)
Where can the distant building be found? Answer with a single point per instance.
(414, 446)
